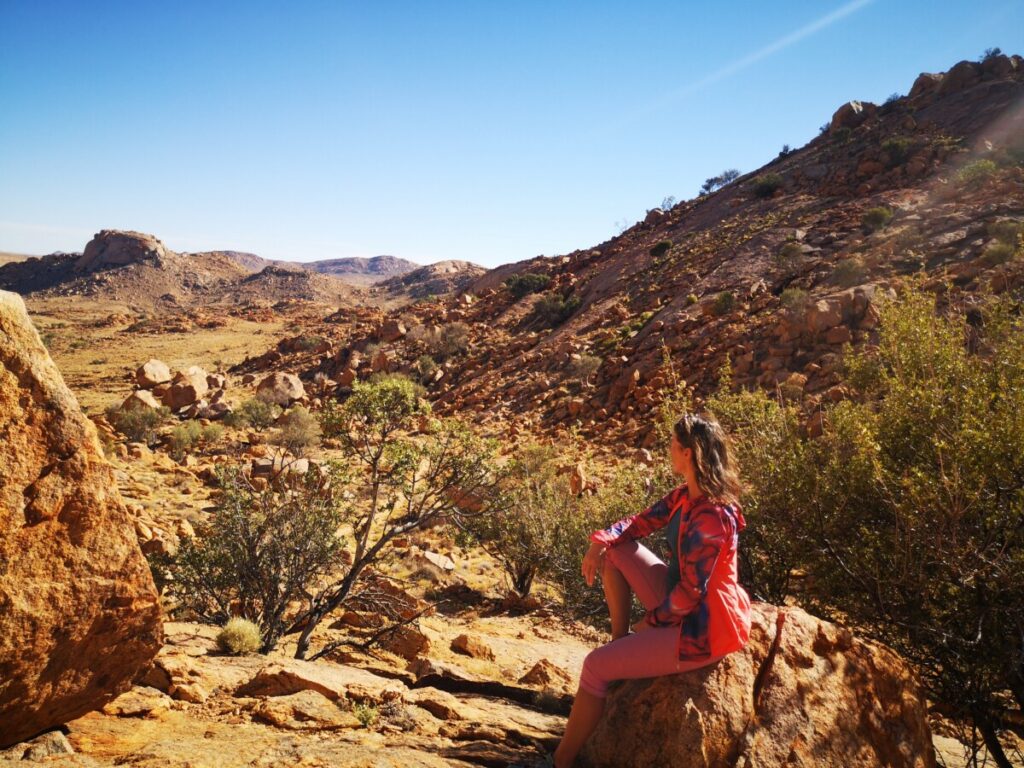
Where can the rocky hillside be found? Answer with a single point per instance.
(138, 269)
(437, 279)
(774, 271)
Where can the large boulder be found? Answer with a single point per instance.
(281, 388)
(79, 616)
(114, 248)
(828, 698)
(151, 373)
(187, 387)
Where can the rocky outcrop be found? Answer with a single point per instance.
(827, 698)
(78, 610)
(113, 248)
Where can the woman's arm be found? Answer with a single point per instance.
(637, 526)
(707, 532)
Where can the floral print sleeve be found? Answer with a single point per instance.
(637, 526)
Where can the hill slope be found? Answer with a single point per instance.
(775, 271)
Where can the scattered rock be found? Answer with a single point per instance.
(470, 645)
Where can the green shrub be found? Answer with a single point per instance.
(553, 309)
(724, 303)
(914, 488)
(849, 272)
(1007, 231)
(584, 367)
(997, 253)
(183, 438)
(522, 535)
(366, 714)
(794, 299)
(691, 299)
(452, 340)
(255, 413)
(261, 550)
(299, 430)
(875, 218)
(139, 425)
(522, 285)
(660, 248)
(211, 434)
(843, 134)
(975, 174)
(239, 637)
(898, 149)
(789, 252)
(764, 186)
(425, 368)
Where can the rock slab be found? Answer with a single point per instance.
(79, 616)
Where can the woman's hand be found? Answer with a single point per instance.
(592, 562)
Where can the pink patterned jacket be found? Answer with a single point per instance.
(709, 605)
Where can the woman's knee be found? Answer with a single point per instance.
(594, 679)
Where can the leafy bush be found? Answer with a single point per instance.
(789, 252)
(875, 218)
(584, 367)
(975, 174)
(849, 272)
(451, 341)
(907, 514)
(997, 253)
(522, 536)
(764, 186)
(660, 248)
(184, 438)
(553, 309)
(239, 637)
(522, 285)
(425, 368)
(897, 148)
(1007, 231)
(255, 413)
(724, 303)
(794, 299)
(139, 425)
(366, 714)
(411, 482)
(261, 549)
(691, 299)
(299, 431)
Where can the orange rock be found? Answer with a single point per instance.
(78, 610)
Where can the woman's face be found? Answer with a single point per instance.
(681, 457)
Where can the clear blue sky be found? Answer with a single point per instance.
(486, 131)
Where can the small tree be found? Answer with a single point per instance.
(411, 482)
(522, 285)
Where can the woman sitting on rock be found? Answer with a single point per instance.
(696, 610)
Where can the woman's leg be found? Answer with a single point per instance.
(650, 653)
(631, 566)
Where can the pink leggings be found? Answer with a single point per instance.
(649, 653)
